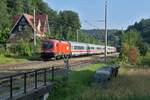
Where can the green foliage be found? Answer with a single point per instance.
(2, 49)
(15, 7)
(24, 48)
(133, 47)
(143, 28)
(124, 53)
(143, 48)
(77, 82)
(131, 37)
(4, 22)
(130, 41)
(99, 34)
(145, 61)
(4, 15)
(69, 23)
(87, 38)
(4, 35)
(125, 86)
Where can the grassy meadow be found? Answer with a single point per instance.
(131, 84)
(10, 60)
(13, 59)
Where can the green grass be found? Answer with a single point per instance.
(10, 60)
(78, 81)
(13, 59)
(131, 84)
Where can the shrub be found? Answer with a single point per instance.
(143, 49)
(133, 55)
(24, 48)
(2, 49)
(146, 60)
(124, 53)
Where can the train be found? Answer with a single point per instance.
(53, 48)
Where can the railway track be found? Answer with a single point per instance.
(17, 68)
(14, 66)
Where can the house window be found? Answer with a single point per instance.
(20, 28)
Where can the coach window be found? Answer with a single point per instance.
(76, 47)
(88, 48)
(98, 48)
(92, 48)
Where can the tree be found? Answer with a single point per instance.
(124, 52)
(4, 16)
(15, 7)
(130, 41)
(131, 37)
(69, 22)
(143, 27)
(4, 22)
(4, 35)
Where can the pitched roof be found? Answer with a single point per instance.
(40, 22)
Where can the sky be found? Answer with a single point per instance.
(121, 13)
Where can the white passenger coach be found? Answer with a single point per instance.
(79, 49)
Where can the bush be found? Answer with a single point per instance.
(133, 55)
(143, 48)
(124, 53)
(24, 48)
(146, 60)
(2, 49)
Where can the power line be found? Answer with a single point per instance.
(90, 24)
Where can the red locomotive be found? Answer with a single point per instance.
(55, 48)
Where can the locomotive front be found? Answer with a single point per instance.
(48, 49)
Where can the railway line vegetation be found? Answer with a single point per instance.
(134, 50)
(125, 86)
(4, 59)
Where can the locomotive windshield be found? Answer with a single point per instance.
(47, 45)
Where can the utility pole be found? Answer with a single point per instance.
(106, 31)
(49, 31)
(34, 28)
(77, 35)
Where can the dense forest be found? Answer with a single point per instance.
(143, 27)
(99, 34)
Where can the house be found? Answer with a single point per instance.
(23, 27)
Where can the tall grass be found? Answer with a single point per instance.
(10, 60)
(131, 84)
(76, 84)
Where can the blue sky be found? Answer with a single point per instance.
(121, 13)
